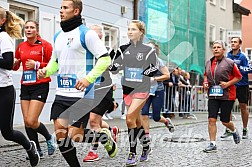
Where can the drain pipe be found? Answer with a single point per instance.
(135, 8)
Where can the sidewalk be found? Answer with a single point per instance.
(118, 122)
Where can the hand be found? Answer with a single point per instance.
(224, 85)
(41, 73)
(16, 61)
(205, 86)
(82, 84)
(170, 84)
(30, 64)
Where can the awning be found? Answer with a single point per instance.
(239, 9)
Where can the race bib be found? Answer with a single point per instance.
(133, 74)
(29, 76)
(66, 80)
(216, 91)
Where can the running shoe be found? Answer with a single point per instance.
(236, 137)
(226, 134)
(108, 116)
(245, 133)
(104, 117)
(210, 148)
(33, 154)
(91, 157)
(145, 154)
(170, 125)
(132, 160)
(110, 145)
(115, 131)
(41, 154)
(51, 144)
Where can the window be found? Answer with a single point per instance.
(212, 33)
(213, 2)
(222, 34)
(111, 36)
(223, 4)
(26, 12)
(248, 52)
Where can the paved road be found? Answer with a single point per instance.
(164, 153)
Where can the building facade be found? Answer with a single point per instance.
(112, 15)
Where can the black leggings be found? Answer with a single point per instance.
(7, 108)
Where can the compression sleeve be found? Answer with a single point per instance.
(7, 61)
(100, 66)
(51, 68)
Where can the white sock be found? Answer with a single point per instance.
(234, 131)
(214, 142)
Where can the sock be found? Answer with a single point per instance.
(94, 147)
(43, 131)
(214, 143)
(234, 131)
(245, 128)
(68, 151)
(89, 136)
(33, 135)
(147, 134)
(166, 122)
(132, 139)
(142, 138)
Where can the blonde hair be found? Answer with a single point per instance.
(13, 24)
(141, 26)
(156, 46)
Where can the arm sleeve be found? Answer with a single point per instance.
(101, 65)
(7, 61)
(52, 66)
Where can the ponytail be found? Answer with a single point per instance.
(13, 25)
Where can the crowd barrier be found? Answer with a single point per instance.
(187, 101)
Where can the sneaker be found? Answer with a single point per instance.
(145, 154)
(226, 134)
(211, 148)
(245, 134)
(91, 157)
(108, 116)
(123, 116)
(115, 131)
(51, 144)
(132, 160)
(110, 145)
(170, 125)
(33, 154)
(104, 117)
(41, 155)
(236, 137)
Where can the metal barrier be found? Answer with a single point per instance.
(236, 107)
(179, 100)
(184, 100)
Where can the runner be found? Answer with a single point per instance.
(75, 50)
(11, 27)
(34, 54)
(220, 76)
(138, 61)
(156, 99)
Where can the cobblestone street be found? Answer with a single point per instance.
(165, 153)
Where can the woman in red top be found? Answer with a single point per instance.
(220, 77)
(34, 54)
